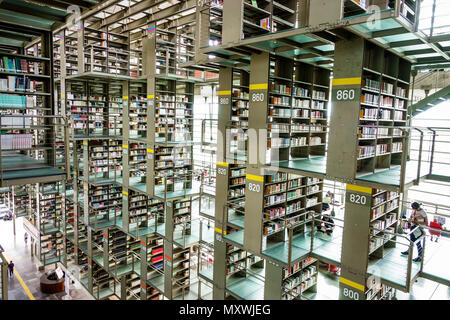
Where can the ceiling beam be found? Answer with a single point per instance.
(5, 26)
(341, 33)
(189, 18)
(86, 14)
(431, 60)
(389, 32)
(299, 46)
(443, 37)
(38, 13)
(405, 43)
(417, 52)
(159, 15)
(324, 62)
(80, 3)
(127, 12)
(20, 37)
(49, 4)
(325, 35)
(432, 66)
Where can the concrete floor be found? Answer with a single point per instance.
(27, 267)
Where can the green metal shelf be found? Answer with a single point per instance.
(207, 274)
(301, 247)
(393, 267)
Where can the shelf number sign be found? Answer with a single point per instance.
(202, 3)
(350, 294)
(254, 187)
(221, 171)
(358, 199)
(258, 97)
(345, 94)
(224, 100)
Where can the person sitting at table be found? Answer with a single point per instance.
(327, 225)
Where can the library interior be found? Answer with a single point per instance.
(136, 162)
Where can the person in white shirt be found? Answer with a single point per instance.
(418, 218)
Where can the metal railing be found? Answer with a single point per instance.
(3, 276)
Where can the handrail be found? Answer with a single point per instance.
(416, 182)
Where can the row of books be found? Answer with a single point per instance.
(319, 95)
(294, 194)
(285, 101)
(275, 188)
(312, 201)
(16, 141)
(274, 199)
(8, 101)
(280, 88)
(237, 93)
(272, 213)
(18, 65)
(17, 83)
(278, 177)
(301, 92)
(365, 151)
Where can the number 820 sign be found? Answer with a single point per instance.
(359, 199)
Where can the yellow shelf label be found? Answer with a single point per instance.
(353, 187)
(346, 81)
(223, 164)
(253, 177)
(224, 93)
(150, 96)
(218, 230)
(260, 86)
(352, 284)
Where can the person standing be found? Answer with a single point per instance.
(418, 218)
(26, 238)
(11, 268)
(435, 226)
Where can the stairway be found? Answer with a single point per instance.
(431, 101)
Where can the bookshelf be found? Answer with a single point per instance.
(376, 218)
(295, 97)
(138, 111)
(375, 290)
(258, 17)
(381, 100)
(173, 123)
(301, 277)
(384, 99)
(49, 202)
(106, 52)
(384, 216)
(293, 283)
(288, 200)
(180, 271)
(26, 104)
(155, 264)
(215, 22)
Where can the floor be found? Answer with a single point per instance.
(27, 268)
